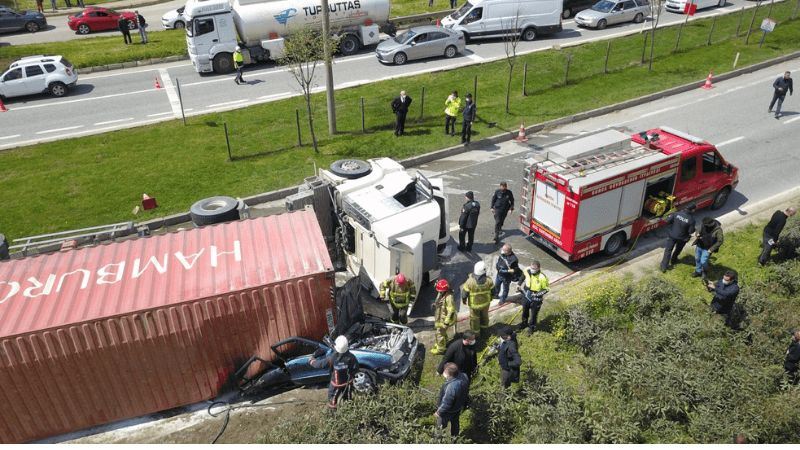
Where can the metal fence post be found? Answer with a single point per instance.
(566, 75)
(362, 114)
(678, 40)
(714, 21)
(608, 50)
(475, 90)
(227, 141)
(422, 103)
(180, 100)
(524, 79)
(752, 21)
(644, 45)
(297, 118)
(739, 25)
(794, 14)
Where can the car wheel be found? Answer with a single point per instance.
(400, 58)
(529, 34)
(365, 381)
(132, 25)
(83, 29)
(57, 89)
(601, 24)
(223, 63)
(350, 168)
(614, 243)
(349, 45)
(566, 13)
(179, 25)
(213, 210)
(32, 27)
(639, 18)
(721, 198)
(450, 51)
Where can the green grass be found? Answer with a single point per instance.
(99, 179)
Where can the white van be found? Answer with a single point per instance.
(479, 19)
(677, 6)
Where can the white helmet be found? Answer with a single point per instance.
(341, 345)
(238, 48)
(480, 268)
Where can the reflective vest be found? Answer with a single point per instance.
(452, 106)
(536, 282)
(237, 59)
(445, 310)
(479, 294)
(400, 296)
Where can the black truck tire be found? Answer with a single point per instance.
(350, 168)
(209, 211)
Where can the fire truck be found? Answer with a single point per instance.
(597, 192)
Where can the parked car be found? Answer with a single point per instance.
(608, 12)
(385, 352)
(421, 42)
(677, 6)
(98, 19)
(571, 7)
(174, 19)
(37, 74)
(12, 20)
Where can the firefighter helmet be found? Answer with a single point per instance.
(480, 268)
(442, 286)
(341, 345)
(401, 279)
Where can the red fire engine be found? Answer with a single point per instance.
(598, 191)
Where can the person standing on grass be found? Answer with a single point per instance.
(69, 5)
(39, 6)
(781, 85)
(142, 24)
(708, 241)
(469, 119)
(400, 106)
(725, 290)
(772, 231)
(122, 24)
(53, 4)
(452, 106)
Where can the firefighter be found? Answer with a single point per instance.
(444, 313)
(533, 285)
(478, 290)
(401, 294)
(343, 367)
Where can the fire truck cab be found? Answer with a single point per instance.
(598, 191)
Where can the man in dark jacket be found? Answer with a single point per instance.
(469, 119)
(122, 24)
(509, 357)
(793, 358)
(502, 206)
(708, 241)
(773, 231)
(342, 365)
(462, 353)
(468, 222)
(725, 290)
(400, 109)
(781, 85)
(507, 269)
(681, 227)
(452, 398)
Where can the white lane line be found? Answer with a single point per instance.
(226, 103)
(791, 120)
(352, 83)
(172, 94)
(475, 57)
(730, 141)
(11, 137)
(657, 112)
(114, 121)
(160, 114)
(59, 129)
(65, 102)
(274, 95)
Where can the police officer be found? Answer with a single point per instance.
(238, 63)
(401, 294)
(533, 285)
(507, 267)
(773, 231)
(468, 222)
(343, 366)
(793, 358)
(444, 316)
(725, 290)
(681, 227)
(478, 290)
(502, 206)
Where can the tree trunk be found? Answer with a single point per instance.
(311, 123)
(508, 88)
(652, 47)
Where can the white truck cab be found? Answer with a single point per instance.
(210, 35)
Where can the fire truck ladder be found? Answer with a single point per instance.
(525, 207)
(590, 162)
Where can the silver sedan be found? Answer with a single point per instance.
(609, 12)
(421, 42)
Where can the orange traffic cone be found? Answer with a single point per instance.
(708, 81)
(2, 106)
(158, 86)
(521, 137)
(148, 203)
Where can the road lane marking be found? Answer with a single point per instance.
(475, 57)
(226, 103)
(11, 137)
(274, 95)
(160, 114)
(60, 129)
(172, 93)
(730, 141)
(65, 102)
(657, 112)
(791, 120)
(352, 83)
(114, 121)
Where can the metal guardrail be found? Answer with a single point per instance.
(420, 17)
(81, 235)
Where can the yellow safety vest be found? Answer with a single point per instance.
(445, 314)
(479, 294)
(237, 59)
(452, 106)
(536, 282)
(399, 296)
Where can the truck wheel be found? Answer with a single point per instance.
(349, 45)
(214, 210)
(614, 243)
(350, 168)
(223, 63)
(721, 198)
(529, 34)
(365, 381)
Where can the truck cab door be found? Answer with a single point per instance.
(408, 257)
(204, 34)
(711, 176)
(687, 189)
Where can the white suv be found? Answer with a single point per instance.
(37, 74)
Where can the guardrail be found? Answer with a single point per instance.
(416, 18)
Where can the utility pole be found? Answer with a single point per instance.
(326, 39)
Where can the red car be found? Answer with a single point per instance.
(96, 19)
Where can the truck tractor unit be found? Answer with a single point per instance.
(599, 191)
(212, 27)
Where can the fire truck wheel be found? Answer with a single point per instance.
(614, 243)
(721, 198)
(214, 210)
(350, 168)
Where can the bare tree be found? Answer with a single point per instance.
(304, 50)
(511, 37)
(656, 8)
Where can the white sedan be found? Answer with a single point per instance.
(174, 19)
(609, 12)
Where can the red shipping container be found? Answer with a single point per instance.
(105, 333)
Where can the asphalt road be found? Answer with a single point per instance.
(98, 97)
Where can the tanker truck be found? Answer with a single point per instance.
(262, 25)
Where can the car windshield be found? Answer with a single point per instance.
(604, 6)
(461, 12)
(405, 36)
(112, 12)
(80, 14)
(181, 9)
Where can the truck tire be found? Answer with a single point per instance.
(223, 63)
(721, 198)
(350, 168)
(213, 210)
(349, 45)
(614, 243)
